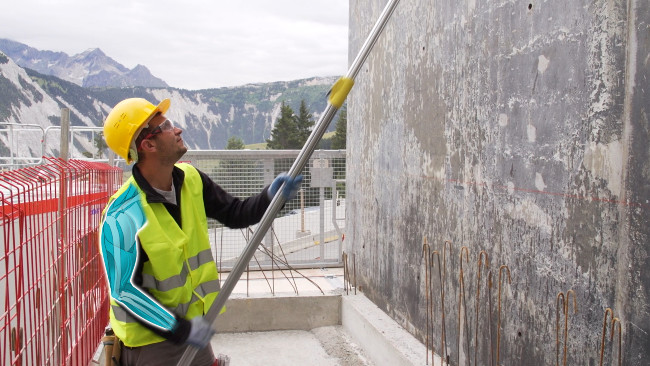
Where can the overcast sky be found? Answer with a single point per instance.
(193, 44)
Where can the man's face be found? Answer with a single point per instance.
(167, 139)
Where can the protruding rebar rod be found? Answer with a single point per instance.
(461, 293)
(446, 244)
(566, 319)
(426, 252)
(432, 316)
(490, 284)
(481, 254)
(602, 342)
(559, 308)
(346, 273)
(283, 260)
(443, 348)
(499, 321)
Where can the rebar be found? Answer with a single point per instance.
(566, 318)
(558, 308)
(481, 254)
(346, 272)
(285, 261)
(446, 244)
(490, 316)
(602, 342)
(291, 269)
(499, 321)
(442, 301)
(426, 252)
(461, 294)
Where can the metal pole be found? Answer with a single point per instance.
(65, 133)
(278, 201)
(63, 233)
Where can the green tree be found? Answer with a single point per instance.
(304, 123)
(100, 144)
(340, 136)
(285, 132)
(235, 143)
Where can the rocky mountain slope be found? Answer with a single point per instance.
(209, 117)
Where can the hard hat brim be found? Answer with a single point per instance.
(162, 107)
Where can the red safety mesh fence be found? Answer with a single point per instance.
(52, 287)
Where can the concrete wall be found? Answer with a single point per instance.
(515, 127)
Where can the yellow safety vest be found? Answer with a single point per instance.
(180, 271)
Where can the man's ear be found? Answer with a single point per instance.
(147, 145)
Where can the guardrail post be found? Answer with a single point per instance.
(63, 239)
(65, 132)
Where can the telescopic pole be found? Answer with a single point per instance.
(337, 96)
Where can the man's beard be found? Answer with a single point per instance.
(181, 151)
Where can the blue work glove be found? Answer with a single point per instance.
(200, 333)
(291, 186)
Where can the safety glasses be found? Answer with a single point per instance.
(165, 126)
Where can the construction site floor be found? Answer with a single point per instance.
(268, 323)
(324, 345)
(321, 346)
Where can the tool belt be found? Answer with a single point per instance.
(112, 349)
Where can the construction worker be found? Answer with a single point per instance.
(154, 238)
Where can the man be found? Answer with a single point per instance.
(154, 241)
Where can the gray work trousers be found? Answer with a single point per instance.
(162, 354)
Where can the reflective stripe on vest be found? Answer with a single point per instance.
(180, 271)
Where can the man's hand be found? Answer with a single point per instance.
(200, 333)
(291, 186)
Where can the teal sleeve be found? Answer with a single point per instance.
(123, 219)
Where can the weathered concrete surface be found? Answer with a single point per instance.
(518, 128)
(260, 314)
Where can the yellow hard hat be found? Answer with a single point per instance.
(125, 121)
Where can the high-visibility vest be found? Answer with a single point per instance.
(180, 272)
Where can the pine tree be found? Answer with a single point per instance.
(100, 144)
(235, 143)
(340, 136)
(285, 132)
(304, 123)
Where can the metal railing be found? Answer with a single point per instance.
(26, 144)
(308, 231)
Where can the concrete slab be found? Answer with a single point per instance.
(322, 326)
(325, 346)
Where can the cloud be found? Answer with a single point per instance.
(193, 44)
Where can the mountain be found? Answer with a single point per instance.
(208, 117)
(91, 68)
